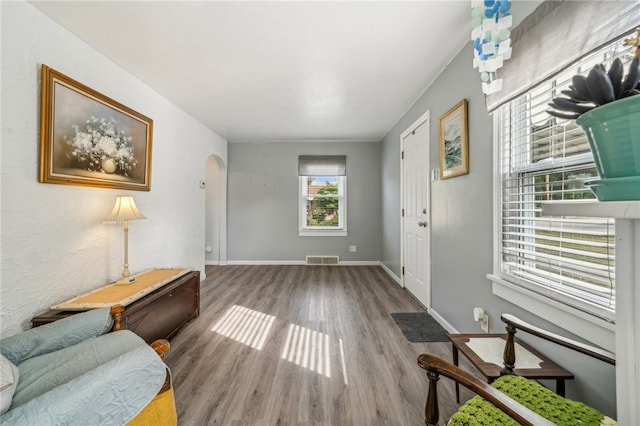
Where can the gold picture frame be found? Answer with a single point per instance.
(89, 139)
(453, 141)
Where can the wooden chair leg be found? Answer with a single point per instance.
(116, 313)
(509, 355)
(167, 383)
(431, 411)
(161, 346)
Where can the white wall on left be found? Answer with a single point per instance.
(54, 244)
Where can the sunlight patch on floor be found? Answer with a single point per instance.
(245, 325)
(308, 348)
(344, 364)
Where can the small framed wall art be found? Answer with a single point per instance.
(89, 139)
(453, 141)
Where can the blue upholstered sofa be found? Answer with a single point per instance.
(75, 372)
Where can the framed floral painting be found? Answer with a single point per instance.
(453, 141)
(89, 139)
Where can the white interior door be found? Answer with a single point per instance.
(416, 234)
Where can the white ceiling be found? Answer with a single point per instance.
(278, 71)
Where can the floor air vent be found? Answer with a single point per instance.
(322, 260)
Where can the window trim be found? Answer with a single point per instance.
(590, 327)
(307, 231)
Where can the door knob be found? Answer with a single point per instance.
(422, 224)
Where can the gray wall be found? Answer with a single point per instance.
(462, 222)
(263, 200)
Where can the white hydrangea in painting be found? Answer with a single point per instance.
(102, 147)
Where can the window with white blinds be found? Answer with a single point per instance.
(542, 158)
(322, 195)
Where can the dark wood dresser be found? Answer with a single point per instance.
(159, 314)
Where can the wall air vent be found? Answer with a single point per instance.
(322, 260)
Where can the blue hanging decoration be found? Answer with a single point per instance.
(491, 21)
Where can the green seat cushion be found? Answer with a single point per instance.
(553, 407)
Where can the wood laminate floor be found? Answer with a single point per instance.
(299, 345)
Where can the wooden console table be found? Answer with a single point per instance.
(156, 306)
(545, 369)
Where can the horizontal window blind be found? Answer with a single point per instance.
(543, 158)
(557, 34)
(322, 165)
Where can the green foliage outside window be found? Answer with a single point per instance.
(322, 209)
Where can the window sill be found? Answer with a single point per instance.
(322, 233)
(616, 209)
(592, 329)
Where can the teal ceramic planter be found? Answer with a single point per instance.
(613, 131)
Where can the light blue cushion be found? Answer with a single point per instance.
(111, 394)
(45, 372)
(56, 335)
(9, 377)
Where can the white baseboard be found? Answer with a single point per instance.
(265, 262)
(302, 262)
(436, 316)
(391, 274)
(212, 262)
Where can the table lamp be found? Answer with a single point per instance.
(124, 211)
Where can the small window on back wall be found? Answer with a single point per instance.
(322, 195)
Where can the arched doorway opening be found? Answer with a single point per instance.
(215, 212)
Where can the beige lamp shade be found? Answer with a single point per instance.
(125, 209)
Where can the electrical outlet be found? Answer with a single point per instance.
(353, 249)
(481, 318)
(485, 325)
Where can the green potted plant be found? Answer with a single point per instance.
(605, 105)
